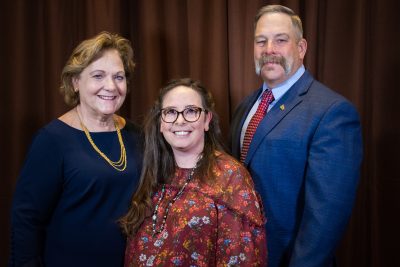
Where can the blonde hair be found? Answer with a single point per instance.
(88, 51)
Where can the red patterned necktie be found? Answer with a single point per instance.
(266, 99)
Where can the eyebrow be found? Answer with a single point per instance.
(93, 71)
(282, 35)
(187, 106)
(102, 71)
(275, 36)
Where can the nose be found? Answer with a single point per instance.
(269, 47)
(180, 119)
(110, 84)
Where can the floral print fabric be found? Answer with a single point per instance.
(218, 224)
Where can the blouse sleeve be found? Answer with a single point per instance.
(36, 194)
(241, 232)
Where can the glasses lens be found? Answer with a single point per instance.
(191, 114)
(169, 115)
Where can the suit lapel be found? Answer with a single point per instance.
(290, 99)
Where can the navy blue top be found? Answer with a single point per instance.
(68, 198)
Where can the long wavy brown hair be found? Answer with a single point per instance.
(159, 163)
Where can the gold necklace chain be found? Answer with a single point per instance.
(119, 165)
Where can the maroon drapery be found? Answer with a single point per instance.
(353, 47)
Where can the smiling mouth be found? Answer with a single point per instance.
(182, 133)
(104, 97)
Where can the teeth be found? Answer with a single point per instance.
(107, 97)
(181, 133)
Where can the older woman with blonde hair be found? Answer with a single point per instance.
(82, 167)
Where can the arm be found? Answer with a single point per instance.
(241, 232)
(35, 197)
(331, 180)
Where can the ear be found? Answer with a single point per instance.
(75, 83)
(302, 47)
(207, 121)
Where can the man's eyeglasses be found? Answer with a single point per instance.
(190, 114)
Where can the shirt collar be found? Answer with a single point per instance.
(282, 88)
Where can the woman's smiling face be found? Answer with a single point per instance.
(184, 136)
(102, 85)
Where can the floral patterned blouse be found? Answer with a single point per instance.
(208, 225)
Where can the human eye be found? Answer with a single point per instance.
(191, 110)
(119, 77)
(169, 112)
(280, 40)
(260, 41)
(97, 76)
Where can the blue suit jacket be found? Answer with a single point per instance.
(304, 158)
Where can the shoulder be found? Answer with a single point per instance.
(134, 135)
(236, 189)
(231, 167)
(48, 144)
(310, 88)
(53, 131)
(231, 177)
(331, 111)
(325, 95)
(320, 100)
(134, 131)
(132, 127)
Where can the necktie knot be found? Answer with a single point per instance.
(266, 99)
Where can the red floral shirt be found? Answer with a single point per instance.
(208, 225)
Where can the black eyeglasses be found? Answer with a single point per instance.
(190, 114)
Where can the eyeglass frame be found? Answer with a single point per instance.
(182, 113)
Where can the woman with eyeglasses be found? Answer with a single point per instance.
(195, 205)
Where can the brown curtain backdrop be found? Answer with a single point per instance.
(353, 48)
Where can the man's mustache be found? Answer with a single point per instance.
(272, 59)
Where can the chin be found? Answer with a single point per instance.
(107, 114)
(272, 71)
(272, 79)
(108, 111)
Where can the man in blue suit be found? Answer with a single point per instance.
(306, 151)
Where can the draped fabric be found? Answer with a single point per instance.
(352, 48)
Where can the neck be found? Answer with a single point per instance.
(184, 160)
(95, 123)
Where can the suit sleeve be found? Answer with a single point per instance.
(331, 182)
(36, 194)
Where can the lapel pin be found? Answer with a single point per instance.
(282, 107)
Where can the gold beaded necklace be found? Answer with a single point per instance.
(119, 165)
